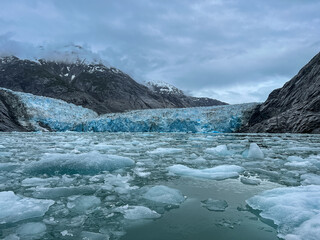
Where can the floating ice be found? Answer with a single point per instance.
(250, 181)
(220, 150)
(296, 210)
(138, 212)
(164, 194)
(14, 208)
(85, 163)
(32, 230)
(255, 152)
(57, 192)
(217, 173)
(164, 151)
(81, 204)
(310, 178)
(93, 236)
(214, 205)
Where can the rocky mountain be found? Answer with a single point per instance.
(93, 86)
(293, 108)
(176, 95)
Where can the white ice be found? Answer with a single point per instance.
(138, 212)
(254, 152)
(217, 173)
(85, 163)
(32, 230)
(220, 150)
(14, 208)
(164, 194)
(296, 210)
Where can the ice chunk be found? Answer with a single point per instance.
(85, 163)
(14, 208)
(81, 204)
(137, 212)
(32, 230)
(296, 210)
(164, 151)
(310, 178)
(39, 181)
(250, 181)
(93, 236)
(220, 150)
(217, 173)
(214, 205)
(255, 152)
(164, 194)
(57, 192)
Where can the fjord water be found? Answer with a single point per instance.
(158, 186)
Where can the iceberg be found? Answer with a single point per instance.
(84, 163)
(217, 173)
(296, 210)
(14, 208)
(163, 194)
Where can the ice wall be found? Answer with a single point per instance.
(223, 119)
(57, 115)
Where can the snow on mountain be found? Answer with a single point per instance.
(163, 87)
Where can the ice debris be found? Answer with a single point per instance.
(254, 152)
(217, 173)
(220, 150)
(85, 163)
(14, 208)
(214, 204)
(164, 194)
(137, 212)
(32, 230)
(296, 210)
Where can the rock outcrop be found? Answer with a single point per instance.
(12, 113)
(294, 108)
(93, 86)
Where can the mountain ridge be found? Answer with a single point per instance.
(94, 86)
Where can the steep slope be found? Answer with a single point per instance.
(293, 108)
(179, 98)
(93, 86)
(13, 115)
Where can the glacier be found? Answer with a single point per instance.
(59, 116)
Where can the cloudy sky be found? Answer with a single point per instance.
(233, 50)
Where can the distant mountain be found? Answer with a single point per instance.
(177, 96)
(94, 86)
(293, 108)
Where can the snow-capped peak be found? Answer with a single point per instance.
(163, 88)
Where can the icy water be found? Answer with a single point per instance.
(159, 186)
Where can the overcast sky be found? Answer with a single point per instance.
(235, 51)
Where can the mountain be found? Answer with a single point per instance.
(293, 108)
(177, 96)
(94, 86)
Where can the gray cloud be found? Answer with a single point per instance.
(236, 51)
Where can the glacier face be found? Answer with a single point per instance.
(57, 115)
(224, 119)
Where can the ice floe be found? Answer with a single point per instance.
(296, 210)
(14, 208)
(217, 173)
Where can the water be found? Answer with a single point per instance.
(94, 185)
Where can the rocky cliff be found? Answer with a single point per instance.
(293, 108)
(94, 86)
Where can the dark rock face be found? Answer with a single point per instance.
(293, 108)
(11, 111)
(93, 86)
